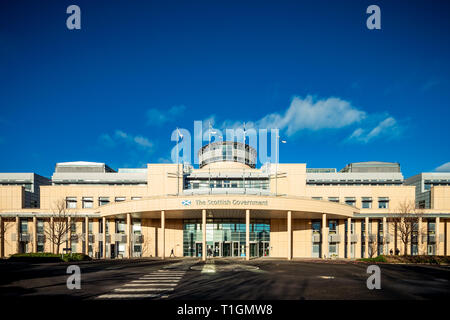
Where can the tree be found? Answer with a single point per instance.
(405, 222)
(373, 245)
(58, 229)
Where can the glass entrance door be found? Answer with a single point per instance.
(226, 249)
(264, 248)
(217, 252)
(236, 247)
(253, 249)
(198, 249)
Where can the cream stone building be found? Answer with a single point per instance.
(227, 208)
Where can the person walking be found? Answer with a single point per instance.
(172, 253)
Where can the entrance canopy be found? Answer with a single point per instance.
(228, 206)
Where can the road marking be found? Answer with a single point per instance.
(156, 284)
(143, 289)
(157, 278)
(154, 281)
(149, 284)
(209, 267)
(326, 277)
(127, 296)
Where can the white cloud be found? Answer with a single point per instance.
(128, 139)
(315, 114)
(306, 114)
(443, 168)
(385, 128)
(159, 117)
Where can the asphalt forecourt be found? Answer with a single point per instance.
(224, 279)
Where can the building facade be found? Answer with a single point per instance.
(226, 208)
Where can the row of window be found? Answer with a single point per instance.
(202, 184)
(88, 202)
(383, 202)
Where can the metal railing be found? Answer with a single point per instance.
(334, 238)
(138, 238)
(25, 237)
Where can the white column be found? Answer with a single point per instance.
(420, 234)
(438, 220)
(247, 234)
(204, 235)
(324, 236)
(34, 238)
(18, 234)
(163, 234)
(86, 236)
(385, 245)
(366, 235)
(128, 228)
(104, 237)
(349, 238)
(52, 233)
(69, 233)
(289, 230)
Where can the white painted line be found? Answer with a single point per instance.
(143, 289)
(154, 281)
(149, 284)
(166, 276)
(209, 268)
(326, 277)
(127, 296)
(161, 278)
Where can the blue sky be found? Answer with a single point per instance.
(116, 89)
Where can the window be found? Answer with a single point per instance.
(40, 226)
(88, 202)
(119, 199)
(120, 225)
(23, 226)
(383, 203)
(73, 226)
(71, 202)
(317, 198)
(350, 201)
(333, 199)
(137, 226)
(332, 226)
(103, 200)
(366, 203)
(422, 204)
(136, 198)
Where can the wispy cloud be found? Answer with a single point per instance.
(121, 137)
(443, 168)
(159, 117)
(388, 128)
(315, 114)
(307, 114)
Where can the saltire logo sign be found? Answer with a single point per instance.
(186, 202)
